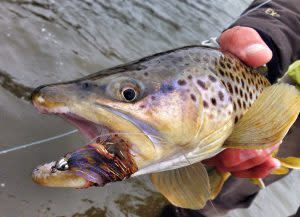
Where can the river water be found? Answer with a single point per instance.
(46, 41)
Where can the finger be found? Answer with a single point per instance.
(260, 171)
(251, 163)
(246, 44)
(234, 157)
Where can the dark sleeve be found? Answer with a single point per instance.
(278, 23)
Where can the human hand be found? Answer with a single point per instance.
(247, 45)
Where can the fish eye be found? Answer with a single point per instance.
(62, 165)
(129, 94)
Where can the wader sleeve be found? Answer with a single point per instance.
(278, 23)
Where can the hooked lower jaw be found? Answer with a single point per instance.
(47, 175)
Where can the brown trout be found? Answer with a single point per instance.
(162, 115)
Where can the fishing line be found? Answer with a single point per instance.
(18, 147)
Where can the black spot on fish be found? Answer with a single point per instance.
(165, 88)
(236, 90)
(146, 73)
(241, 93)
(202, 84)
(213, 101)
(181, 82)
(236, 119)
(205, 104)
(212, 78)
(244, 105)
(221, 95)
(222, 65)
(229, 87)
(190, 77)
(243, 83)
(246, 96)
(221, 72)
(228, 65)
(153, 97)
(193, 97)
(234, 107)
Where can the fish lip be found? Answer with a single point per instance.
(42, 172)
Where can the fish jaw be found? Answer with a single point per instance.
(47, 175)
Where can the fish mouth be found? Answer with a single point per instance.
(105, 159)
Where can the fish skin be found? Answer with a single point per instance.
(188, 98)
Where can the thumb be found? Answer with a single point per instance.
(246, 44)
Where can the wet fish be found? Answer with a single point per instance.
(162, 115)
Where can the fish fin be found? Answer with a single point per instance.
(290, 162)
(217, 180)
(186, 187)
(257, 181)
(280, 171)
(268, 119)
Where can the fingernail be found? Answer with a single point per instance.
(254, 48)
(277, 163)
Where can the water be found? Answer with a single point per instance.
(46, 41)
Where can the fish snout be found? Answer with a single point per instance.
(48, 98)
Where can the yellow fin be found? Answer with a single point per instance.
(186, 187)
(259, 182)
(268, 119)
(290, 162)
(280, 171)
(217, 180)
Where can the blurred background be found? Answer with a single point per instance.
(46, 41)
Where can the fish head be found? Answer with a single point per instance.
(149, 110)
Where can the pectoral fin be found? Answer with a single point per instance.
(290, 162)
(268, 120)
(280, 171)
(259, 182)
(217, 180)
(186, 187)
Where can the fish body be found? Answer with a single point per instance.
(156, 115)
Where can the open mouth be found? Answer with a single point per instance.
(90, 130)
(105, 159)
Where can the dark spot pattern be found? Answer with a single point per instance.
(181, 82)
(202, 84)
(221, 72)
(212, 78)
(190, 77)
(193, 97)
(229, 87)
(205, 104)
(236, 119)
(213, 101)
(165, 88)
(221, 95)
(236, 90)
